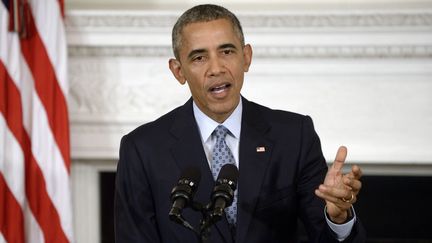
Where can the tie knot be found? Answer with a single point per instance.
(220, 132)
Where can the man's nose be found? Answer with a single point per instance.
(216, 66)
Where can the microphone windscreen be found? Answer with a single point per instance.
(191, 174)
(229, 172)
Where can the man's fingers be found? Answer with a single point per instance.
(357, 172)
(336, 200)
(352, 183)
(327, 197)
(340, 158)
(336, 192)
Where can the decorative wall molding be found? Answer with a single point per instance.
(340, 51)
(339, 19)
(77, 20)
(99, 91)
(333, 34)
(291, 19)
(119, 51)
(286, 52)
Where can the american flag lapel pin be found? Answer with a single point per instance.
(260, 149)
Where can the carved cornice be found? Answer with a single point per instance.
(338, 19)
(364, 51)
(116, 51)
(118, 20)
(340, 51)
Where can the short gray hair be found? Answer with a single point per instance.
(203, 13)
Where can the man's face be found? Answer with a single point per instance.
(212, 62)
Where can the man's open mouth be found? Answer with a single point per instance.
(220, 88)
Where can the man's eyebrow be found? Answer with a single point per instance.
(228, 45)
(196, 51)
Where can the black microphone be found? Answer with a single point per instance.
(223, 192)
(183, 192)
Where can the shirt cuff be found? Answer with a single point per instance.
(342, 231)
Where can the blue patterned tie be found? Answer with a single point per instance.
(222, 155)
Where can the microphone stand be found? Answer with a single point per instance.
(208, 219)
(206, 222)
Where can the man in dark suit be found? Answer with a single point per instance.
(283, 176)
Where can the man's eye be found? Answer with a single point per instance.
(227, 52)
(198, 58)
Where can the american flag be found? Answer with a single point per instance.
(35, 193)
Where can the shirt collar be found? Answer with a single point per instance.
(207, 125)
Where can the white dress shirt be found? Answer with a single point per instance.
(206, 126)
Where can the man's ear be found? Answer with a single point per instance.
(247, 56)
(175, 67)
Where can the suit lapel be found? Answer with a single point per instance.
(255, 152)
(188, 152)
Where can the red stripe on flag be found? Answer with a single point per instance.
(37, 196)
(11, 216)
(48, 90)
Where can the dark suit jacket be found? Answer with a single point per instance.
(276, 187)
